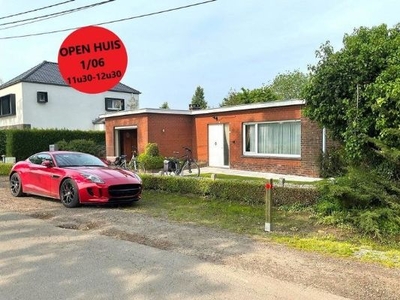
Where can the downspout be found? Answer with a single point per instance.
(324, 140)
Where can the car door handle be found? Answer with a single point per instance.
(55, 176)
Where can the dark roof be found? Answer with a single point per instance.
(49, 73)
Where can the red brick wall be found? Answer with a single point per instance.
(171, 132)
(111, 123)
(311, 147)
(311, 141)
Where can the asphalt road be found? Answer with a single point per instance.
(41, 261)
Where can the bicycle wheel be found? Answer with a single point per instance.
(190, 169)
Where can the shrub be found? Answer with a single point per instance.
(82, 145)
(379, 221)
(332, 163)
(21, 143)
(152, 150)
(363, 199)
(3, 138)
(248, 192)
(63, 145)
(5, 168)
(151, 158)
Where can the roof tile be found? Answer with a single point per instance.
(49, 73)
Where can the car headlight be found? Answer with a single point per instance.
(92, 178)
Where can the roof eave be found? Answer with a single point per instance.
(243, 107)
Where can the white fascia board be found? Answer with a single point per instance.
(206, 111)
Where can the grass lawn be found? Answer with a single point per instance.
(292, 225)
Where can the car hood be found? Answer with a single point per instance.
(107, 173)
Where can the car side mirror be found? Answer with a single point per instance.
(47, 163)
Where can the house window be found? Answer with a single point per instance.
(113, 104)
(280, 139)
(42, 97)
(7, 105)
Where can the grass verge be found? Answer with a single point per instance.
(294, 226)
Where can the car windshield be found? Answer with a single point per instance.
(77, 160)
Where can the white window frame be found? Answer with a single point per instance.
(114, 106)
(255, 151)
(10, 99)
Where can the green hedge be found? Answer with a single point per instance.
(82, 145)
(5, 168)
(3, 138)
(248, 192)
(21, 143)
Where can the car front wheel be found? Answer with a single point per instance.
(16, 185)
(69, 194)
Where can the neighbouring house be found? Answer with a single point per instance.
(268, 137)
(40, 98)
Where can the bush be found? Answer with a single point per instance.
(62, 145)
(5, 168)
(151, 158)
(81, 145)
(248, 192)
(332, 163)
(21, 143)
(3, 139)
(363, 199)
(379, 221)
(152, 150)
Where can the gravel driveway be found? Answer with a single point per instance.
(342, 277)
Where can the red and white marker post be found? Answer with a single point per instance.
(268, 205)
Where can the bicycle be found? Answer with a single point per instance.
(133, 165)
(178, 167)
(120, 162)
(136, 165)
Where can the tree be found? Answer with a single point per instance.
(246, 96)
(355, 92)
(198, 100)
(289, 85)
(164, 105)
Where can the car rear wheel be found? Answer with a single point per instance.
(69, 194)
(16, 185)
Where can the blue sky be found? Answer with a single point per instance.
(222, 45)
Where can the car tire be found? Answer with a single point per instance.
(16, 185)
(69, 193)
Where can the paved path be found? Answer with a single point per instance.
(40, 261)
(257, 174)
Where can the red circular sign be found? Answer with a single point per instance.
(92, 59)
(268, 186)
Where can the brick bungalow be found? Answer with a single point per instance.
(267, 137)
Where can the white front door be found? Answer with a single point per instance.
(216, 145)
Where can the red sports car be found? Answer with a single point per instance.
(74, 178)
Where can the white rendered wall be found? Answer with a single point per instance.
(66, 107)
(16, 119)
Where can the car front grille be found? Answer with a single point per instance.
(125, 191)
